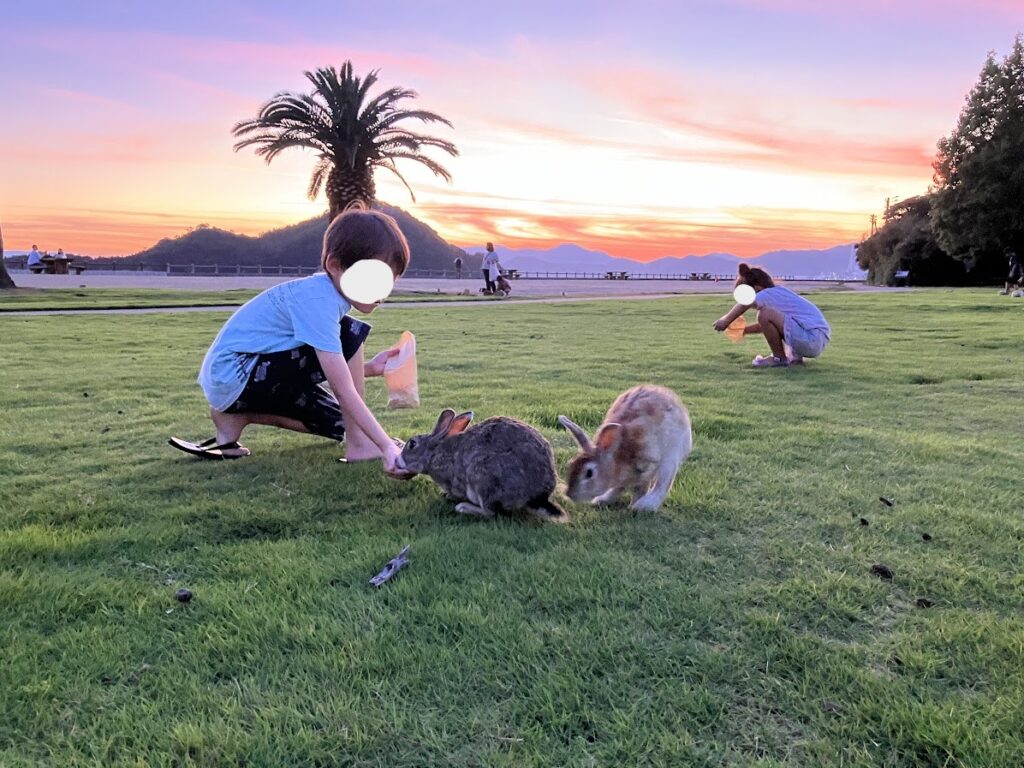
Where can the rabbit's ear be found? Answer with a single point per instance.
(459, 423)
(608, 437)
(443, 422)
(577, 432)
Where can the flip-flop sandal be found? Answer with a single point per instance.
(208, 449)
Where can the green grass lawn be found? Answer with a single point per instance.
(742, 625)
(23, 299)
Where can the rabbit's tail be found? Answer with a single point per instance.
(546, 509)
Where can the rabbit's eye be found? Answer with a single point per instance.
(590, 473)
(411, 443)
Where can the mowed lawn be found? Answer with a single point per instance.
(742, 625)
(26, 299)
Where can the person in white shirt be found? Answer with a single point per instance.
(488, 267)
(35, 259)
(793, 327)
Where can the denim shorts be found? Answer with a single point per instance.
(806, 342)
(288, 384)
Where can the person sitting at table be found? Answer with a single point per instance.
(35, 260)
(61, 256)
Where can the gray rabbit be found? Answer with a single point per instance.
(499, 465)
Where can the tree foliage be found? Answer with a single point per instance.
(978, 208)
(906, 241)
(6, 281)
(351, 133)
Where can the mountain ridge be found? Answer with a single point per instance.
(838, 261)
(300, 245)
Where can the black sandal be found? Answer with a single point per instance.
(208, 449)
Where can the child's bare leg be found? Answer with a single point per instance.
(772, 322)
(231, 425)
(357, 445)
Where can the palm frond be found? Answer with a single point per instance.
(390, 165)
(412, 140)
(433, 165)
(320, 171)
(409, 114)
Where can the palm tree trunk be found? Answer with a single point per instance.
(5, 278)
(344, 188)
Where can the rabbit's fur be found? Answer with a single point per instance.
(644, 439)
(499, 465)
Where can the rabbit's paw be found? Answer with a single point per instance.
(465, 508)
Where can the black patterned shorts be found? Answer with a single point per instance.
(288, 384)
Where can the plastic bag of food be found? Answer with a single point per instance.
(400, 374)
(735, 330)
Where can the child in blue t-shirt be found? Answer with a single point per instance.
(268, 361)
(793, 327)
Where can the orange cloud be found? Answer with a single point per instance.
(647, 237)
(110, 232)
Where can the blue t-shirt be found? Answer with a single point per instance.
(303, 311)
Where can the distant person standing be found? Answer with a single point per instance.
(490, 259)
(458, 268)
(35, 260)
(1015, 276)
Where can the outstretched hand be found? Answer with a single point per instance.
(375, 366)
(720, 324)
(393, 464)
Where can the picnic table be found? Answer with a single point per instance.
(616, 275)
(51, 265)
(512, 274)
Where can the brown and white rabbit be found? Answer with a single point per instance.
(499, 465)
(644, 439)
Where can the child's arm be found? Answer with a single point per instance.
(353, 409)
(726, 320)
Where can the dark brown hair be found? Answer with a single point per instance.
(357, 234)
(755, 277)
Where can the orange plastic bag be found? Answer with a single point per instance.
(735, 329)
(400, 374)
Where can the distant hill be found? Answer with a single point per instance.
(295, 245)
(838, 261)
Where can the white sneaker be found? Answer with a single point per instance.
(770, 362)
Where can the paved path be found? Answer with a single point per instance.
(520, 288)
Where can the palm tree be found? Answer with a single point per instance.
(5, 277)
(352, 136)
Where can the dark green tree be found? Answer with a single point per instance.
(351, 133)
(979, 171)
(906, 241)
(6, 281)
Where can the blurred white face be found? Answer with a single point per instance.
(366, 283)
(744, 294)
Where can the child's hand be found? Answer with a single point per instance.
(375, 367)
(720, 324)
(391, 463)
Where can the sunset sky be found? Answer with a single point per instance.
(642, 129)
